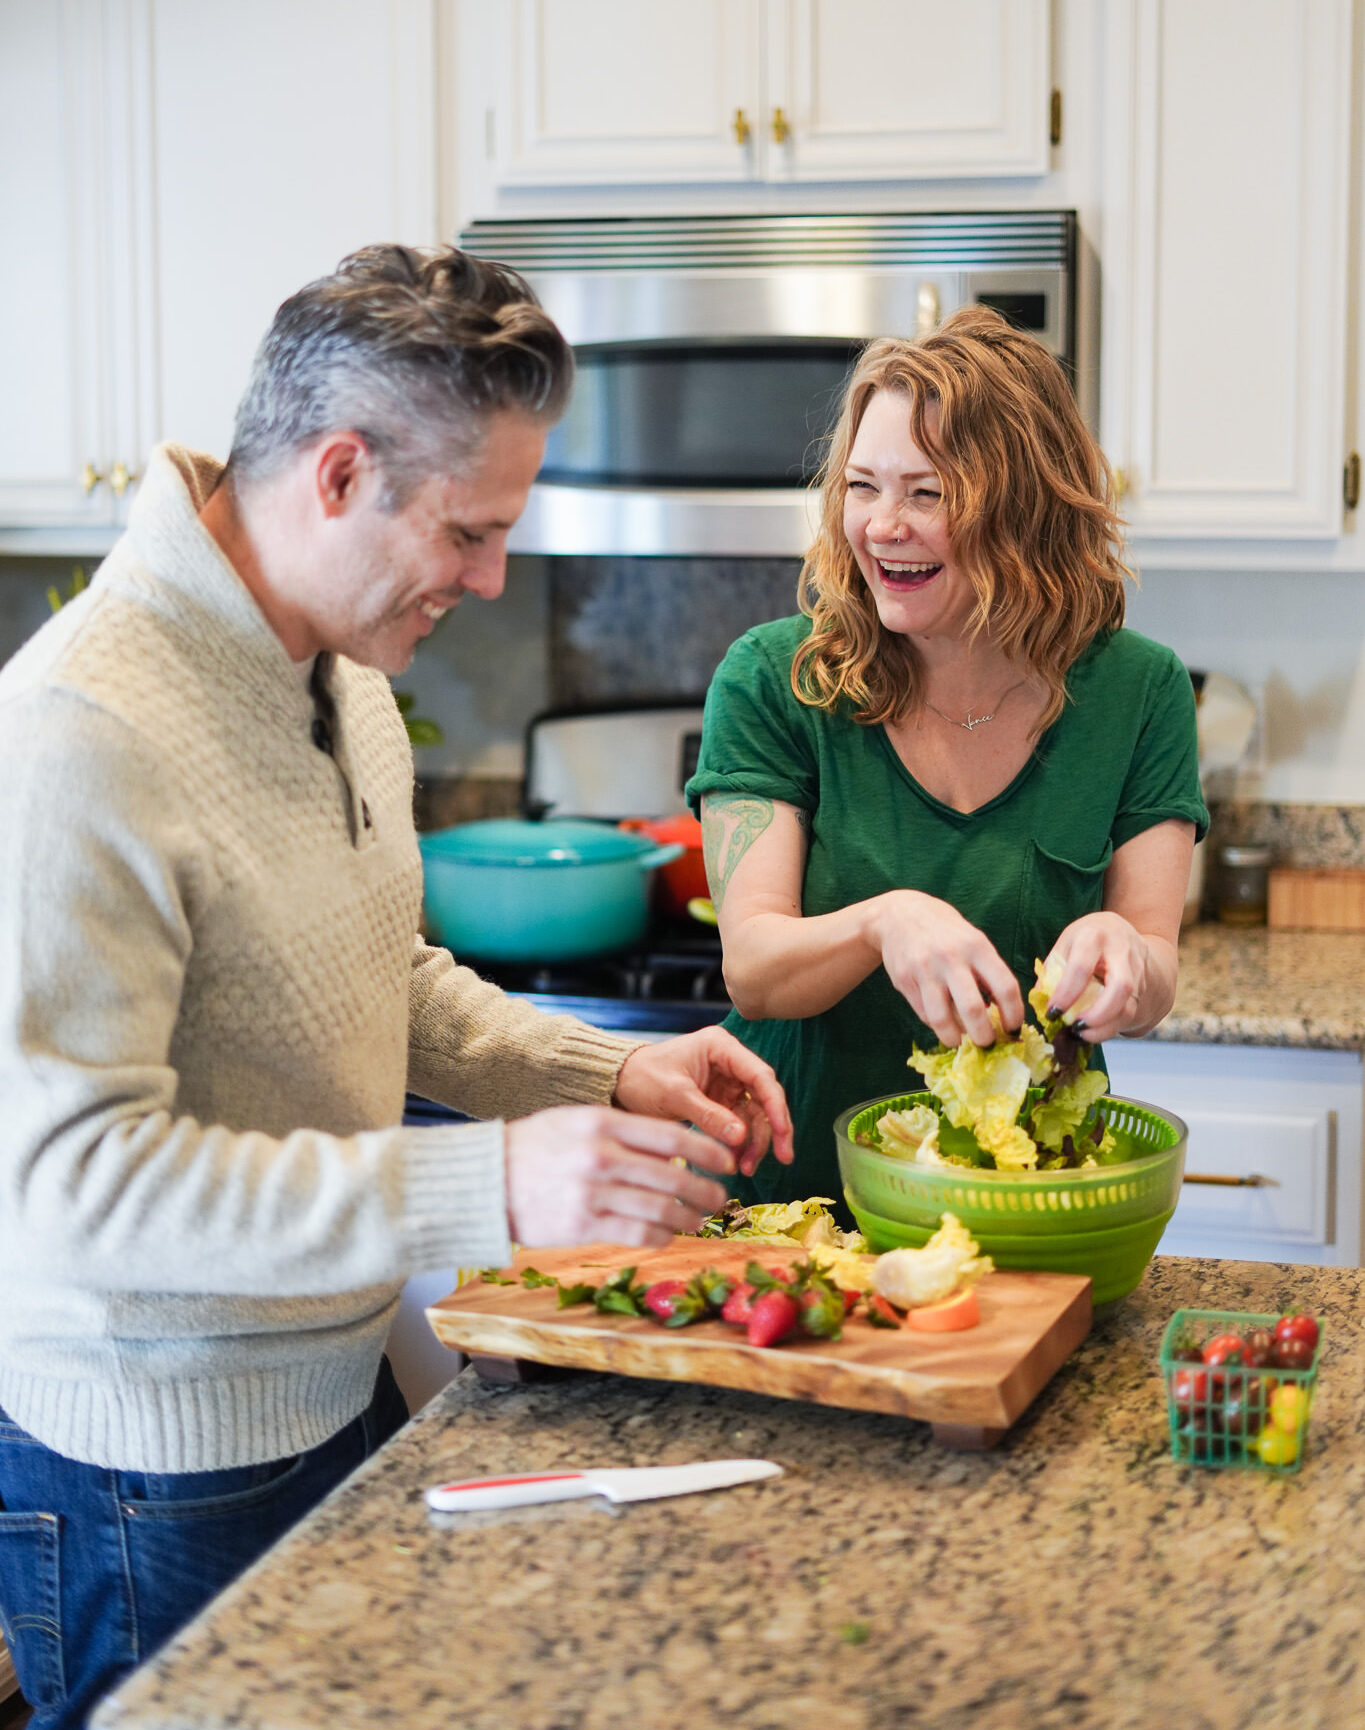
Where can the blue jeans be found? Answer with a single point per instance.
(99, 1567)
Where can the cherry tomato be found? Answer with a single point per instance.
(1244, 1406)
(1289, 1408)
(1225, 1349)
(1299, 1327)
(1277, 1447)
(1259, 1343)
(1292, 1354)
(1190, 1390)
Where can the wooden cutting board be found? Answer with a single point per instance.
(970, 1385)
(1316, 900)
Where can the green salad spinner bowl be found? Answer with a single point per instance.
(1104, 1222)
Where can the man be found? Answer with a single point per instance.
(210, 998)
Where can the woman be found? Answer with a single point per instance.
(955, 761)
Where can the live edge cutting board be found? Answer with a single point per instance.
(970, 1385)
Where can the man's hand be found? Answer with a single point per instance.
(710, 1079)
(587, 1174)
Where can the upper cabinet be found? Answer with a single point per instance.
(590, 92)
(75, 293)
(1226, 251)
(173, 171)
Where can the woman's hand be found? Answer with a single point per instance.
(1129, 949)
(1105, 948)
(947, 970)
(587, 1174)
(710, 1079)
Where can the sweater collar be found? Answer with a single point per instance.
(193, 578)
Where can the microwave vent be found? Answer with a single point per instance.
(979, 239)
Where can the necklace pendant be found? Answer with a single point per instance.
(974, 721)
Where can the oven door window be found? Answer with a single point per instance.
(699, 414)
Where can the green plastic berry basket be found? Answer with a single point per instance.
(1217, 1414)
(1104, 1222)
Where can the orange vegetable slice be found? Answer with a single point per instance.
(959, 1311)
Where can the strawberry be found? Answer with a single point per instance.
(738, 1307)
(821, 1311)
(772, 1318)
(661, 1298)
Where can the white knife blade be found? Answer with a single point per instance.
(625, 1484)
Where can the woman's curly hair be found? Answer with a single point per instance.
(1029, 504)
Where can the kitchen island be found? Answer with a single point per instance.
(1072, 1576)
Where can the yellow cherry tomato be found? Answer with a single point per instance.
(1277, 1447)
(1289, 1408)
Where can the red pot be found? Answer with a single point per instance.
(679, 882)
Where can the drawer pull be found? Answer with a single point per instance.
(1254, 1181)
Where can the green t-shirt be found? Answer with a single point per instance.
(1121, 757)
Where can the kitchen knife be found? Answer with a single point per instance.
(627, 1484)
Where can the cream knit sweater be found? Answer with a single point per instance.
(211, 997)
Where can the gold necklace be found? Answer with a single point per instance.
(974, 721)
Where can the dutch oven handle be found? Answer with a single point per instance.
(664, 855)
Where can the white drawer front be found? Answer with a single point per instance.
(1294, 1150)
(1291, 1115)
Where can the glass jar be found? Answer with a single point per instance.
(1243, 885)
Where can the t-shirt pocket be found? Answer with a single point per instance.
(1054, 891)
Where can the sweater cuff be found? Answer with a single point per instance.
(455, 1198)
(588, 1061)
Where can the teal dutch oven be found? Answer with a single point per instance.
(507, 890)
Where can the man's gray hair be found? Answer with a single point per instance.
(413, 349)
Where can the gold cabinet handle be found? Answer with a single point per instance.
(743, 130)
(781, 129)
(120, 479)
(90, 479)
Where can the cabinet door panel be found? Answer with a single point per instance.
(286, 136)
(909, 87)
(612, 91)
(1225, 261)
(52, 291)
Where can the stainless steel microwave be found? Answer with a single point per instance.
(711, 353)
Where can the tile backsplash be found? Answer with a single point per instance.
(627, 629)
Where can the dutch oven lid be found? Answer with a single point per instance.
(510, 841)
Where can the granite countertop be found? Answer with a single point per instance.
(1072, 1577)
(1261, 987)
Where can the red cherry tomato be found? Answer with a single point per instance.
(1298, 1327)
(1244, 1406)
(1190, 1390)
(1225, 1349)
(1292, 1354)
(1259, 1343)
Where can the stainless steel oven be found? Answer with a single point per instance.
(711, 352)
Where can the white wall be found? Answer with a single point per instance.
(1297, 642)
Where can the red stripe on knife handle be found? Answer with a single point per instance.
(501, 1483)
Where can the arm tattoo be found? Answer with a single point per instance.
(731, 823)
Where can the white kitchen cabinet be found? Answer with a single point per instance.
(75, 289)
(172, 171)
(1287, 1117)
(714, 92)
(1228, 140)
